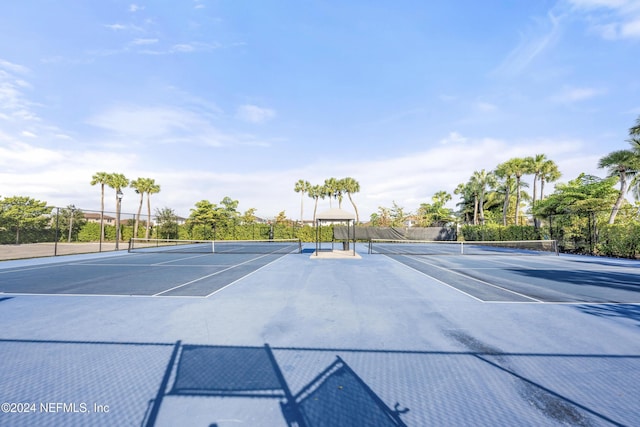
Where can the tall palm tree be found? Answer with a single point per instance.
(462, 190)
(634, 133)
(153, 188)
(481, 182)
(140, 186)
(505, 171)
(518, 167)
(117, 181)
(623, 164)
(351, 186)
(332, 190)
(302, 187)
(549, 173)
(316, 192)
(101, 178)
(469, 192)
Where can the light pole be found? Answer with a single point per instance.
(72, 210)
(119, 196)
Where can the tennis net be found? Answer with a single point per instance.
(272, 246)
(444, 247)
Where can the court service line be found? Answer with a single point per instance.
(478, 280)
(208, 275)
(243, 277)
(437, 280)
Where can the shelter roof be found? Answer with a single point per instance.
(335, 214)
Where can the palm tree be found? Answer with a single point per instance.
(101, 178)
(153, 188)
(465, 191)
(515, 167)
(634, 133)
(623, 164)
(117, 181)
(481, 181)
(302, 187)
(351, 186)
(536, 165)
(549, 173)
(505, 171)
(316, 192)
(140, 186)
(331, 190)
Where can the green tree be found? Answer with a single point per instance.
(20, 213)
(519, 167)
(586, 193)
(101, 178)
(634, 133)
(316, 192)
(332, 190)
(548, 173)
(70, 221)
(620, 164)
(481, 182)
(543, 170)
(398, 215)
(167, 223)
(351, 186)
(140, 186)
(204, 215)
(302, 187)
(506, 173)
(117, 181)
(249, 216)
(435, 213)
(153, 188)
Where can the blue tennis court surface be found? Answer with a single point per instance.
(284, 340)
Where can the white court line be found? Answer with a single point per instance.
(478, 280)
(208, 275)
(241, 278)
(24, 294)
(437, 280)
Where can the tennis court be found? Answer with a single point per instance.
(283, 339)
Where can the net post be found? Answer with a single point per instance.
(130, 247)
(555, 248)
(213, 246)
(461, 248)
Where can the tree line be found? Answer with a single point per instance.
(117, 181)
(332, 188)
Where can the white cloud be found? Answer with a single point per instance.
(255, 114)
(168, 125)
(534, 42)
(138, 42)
(611, 19)
(453, 138)
(574, 94)
(486, 107)
(116, 27)
(134, 8)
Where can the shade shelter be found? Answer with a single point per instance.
(339, 216)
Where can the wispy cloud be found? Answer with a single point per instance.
(576, 94)
(534, 41)
(167, 125)
(134, 7)
(139, 42)
(255, 114)
(611, 19)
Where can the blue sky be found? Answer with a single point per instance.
(216, 98)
